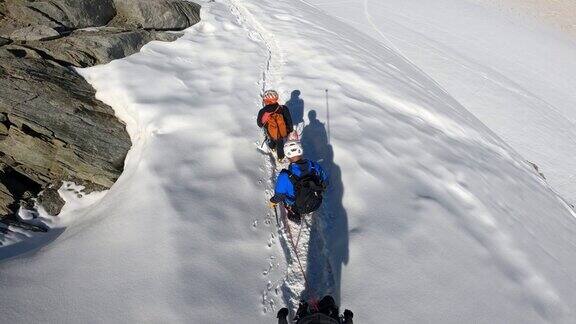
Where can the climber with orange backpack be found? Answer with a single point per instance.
(275, 119)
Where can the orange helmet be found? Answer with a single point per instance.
(270, 97)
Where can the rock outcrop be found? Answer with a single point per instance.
(100, 45)
(59, 14)
(7, 200)
(52, 129)
(156, 14)
(34, 33)
(88, 32)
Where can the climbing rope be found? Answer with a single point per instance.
(294, 246)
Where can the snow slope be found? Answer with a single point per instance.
(517, 78)
(430, 216)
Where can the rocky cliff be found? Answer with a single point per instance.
(52, 129)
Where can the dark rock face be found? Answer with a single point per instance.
(100, 45)
(16, 189)
(4, 41)
(34, 33)
(156, 14)
(118, 28)
(51, 201)
(58, 14)
(52, 129)
(7, 200)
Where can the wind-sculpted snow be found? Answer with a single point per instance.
(430, 217)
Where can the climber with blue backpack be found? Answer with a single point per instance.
(300, 187)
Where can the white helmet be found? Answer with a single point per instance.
(292, 149)
(270, 97)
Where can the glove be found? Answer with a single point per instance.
(282, 313)
(348, 314)
(272, 205)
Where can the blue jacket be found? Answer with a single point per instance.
(284, 191)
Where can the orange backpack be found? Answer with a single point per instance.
(276, 126)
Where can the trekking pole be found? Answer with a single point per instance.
(262, 144)
(328, 116)
(276, 214)
(300, 232)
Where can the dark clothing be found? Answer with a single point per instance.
(318, 318)
(282, 319)
(326, 313)
(282, 110)
(278, 146)
(292, 214)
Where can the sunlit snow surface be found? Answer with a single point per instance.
(430, 216)
(517, 78)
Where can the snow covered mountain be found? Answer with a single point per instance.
(433, 214)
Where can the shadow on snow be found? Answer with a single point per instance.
(328, 246)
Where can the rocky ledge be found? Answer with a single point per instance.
(52, 128)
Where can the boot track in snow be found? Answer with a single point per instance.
(307, 273)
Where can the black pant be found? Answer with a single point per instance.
(326, 306)
(278, 146)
